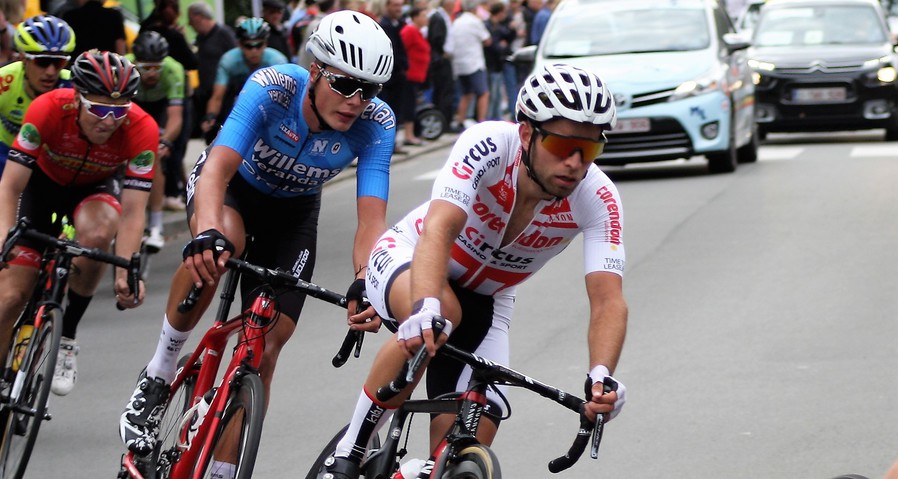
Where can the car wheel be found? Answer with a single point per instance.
(429, 123)
(892, 133)
(727, 160)
(748, 153)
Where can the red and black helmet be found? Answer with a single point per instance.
(105, 73)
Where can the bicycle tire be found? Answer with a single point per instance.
(167, 447)
(332, 446)
(35, 376)
(245, 404)
(475, 462)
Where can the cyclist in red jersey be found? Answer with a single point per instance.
(89, 154)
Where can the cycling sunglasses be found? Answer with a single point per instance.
(565, 146)
(44, 61)
(103, 110)
(149, 66)
(253, 45)
(347, 86)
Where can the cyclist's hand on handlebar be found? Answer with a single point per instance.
(418, 328)
(123, 295)
(608, 394)
(205, 256)
(365, 320)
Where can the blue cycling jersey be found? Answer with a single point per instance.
(282, 158)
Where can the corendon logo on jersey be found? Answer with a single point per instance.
(613, 223)
(465, 169)
(490, 219)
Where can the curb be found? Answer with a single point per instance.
(175, 222)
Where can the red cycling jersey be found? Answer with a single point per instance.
(51, 139)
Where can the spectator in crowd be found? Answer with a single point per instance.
(6, 39)
(212, 41)
(358, 6)
(235, 67)
(273, 13)
(304, 28)
(469, 37)
(540, 20)
(392, 23)
(515, 73)
(528, 10)
(161, 95)
(96, 26)
(418, 60)
(495, 54)
(440, 71)
(164, 20)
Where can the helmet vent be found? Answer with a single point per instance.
(351, 54)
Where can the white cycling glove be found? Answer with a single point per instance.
(421, 319)
(598, 375)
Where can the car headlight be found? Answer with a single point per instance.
(706, 84)
(763, 66)
(885, 72)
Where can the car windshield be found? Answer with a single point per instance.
(595, 31)
(819, 25)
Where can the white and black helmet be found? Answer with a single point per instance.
(565, 91)
(354, 43)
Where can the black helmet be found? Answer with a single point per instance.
(105, 73)
(150, 46)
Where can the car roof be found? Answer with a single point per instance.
(776, 3)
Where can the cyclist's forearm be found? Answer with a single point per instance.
(371, 224)
(210, 188)
(130, 230)
(173, 123)
(608, 319)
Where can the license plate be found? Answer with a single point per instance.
(819, 95)
(632, 125)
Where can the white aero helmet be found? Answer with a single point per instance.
(565, 91)
(354, 43)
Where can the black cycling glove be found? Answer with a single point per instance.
(356, 291)
(210, 239)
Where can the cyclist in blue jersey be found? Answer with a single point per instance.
(235, 66)
(290, 131)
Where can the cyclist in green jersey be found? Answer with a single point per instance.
(161, 94)
(45, 43)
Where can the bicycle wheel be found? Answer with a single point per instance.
(475, 462)
(244, 411)
(167, 448)
(27, 407)
(331, 446)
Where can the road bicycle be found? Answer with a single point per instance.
(28, 372)
(189, 438)
(460, 455)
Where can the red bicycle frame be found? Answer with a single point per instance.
(256, 321)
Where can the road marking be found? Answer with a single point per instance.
(431, 175)
(887, 149)
(779, 153)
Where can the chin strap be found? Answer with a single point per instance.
(525, 159)
(321, 123)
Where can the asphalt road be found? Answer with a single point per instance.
(761, 339)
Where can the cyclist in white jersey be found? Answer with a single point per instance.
(510, 197)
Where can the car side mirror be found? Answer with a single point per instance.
(736, 41)
(523, 56)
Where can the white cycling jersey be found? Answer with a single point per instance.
(480, 177)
